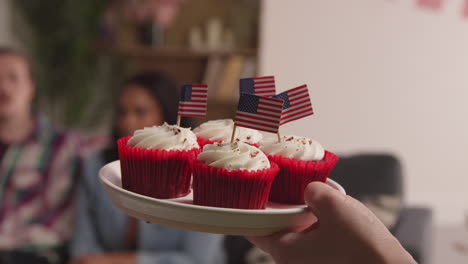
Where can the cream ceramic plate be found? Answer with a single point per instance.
(181, 213)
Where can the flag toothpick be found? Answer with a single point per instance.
(233, 133)
(178, 120)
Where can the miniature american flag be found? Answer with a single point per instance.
(193, 100)
(262, 86)
(296, 104)
(257, 112)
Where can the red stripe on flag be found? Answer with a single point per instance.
(246, 116)
(265, 87)
(183, 109)
(274, 102)
(297, 88)
(264, 77)
(269, 111)
(298, 96)
(266, 92)
(196, 90)
(190, 107)
(286, 115)
(299, 93)
(200, 85)
(263, 82)
(295, 118)
(255, 122)
(297, 112)
(269, 115)
(299, 101)
(197, 104)
(274, 106)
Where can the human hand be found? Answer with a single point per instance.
(347, 232)
(110, 258)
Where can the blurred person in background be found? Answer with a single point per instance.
(106, 235)
(39, 167)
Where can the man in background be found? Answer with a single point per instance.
(39, 167)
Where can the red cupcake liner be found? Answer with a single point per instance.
(156, 173)
(255, 145)
(294, 175)
(240, 189)
(202, 142)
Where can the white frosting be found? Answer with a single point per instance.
(221, 130)
(235, 156)
(164, 137)
(295, 147)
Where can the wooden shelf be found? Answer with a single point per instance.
(181, 53)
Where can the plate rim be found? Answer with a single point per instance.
(298, 209)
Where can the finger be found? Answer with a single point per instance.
(271, 242)
(333, 208)
(324, 201)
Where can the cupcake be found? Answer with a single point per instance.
(218, 131)
(156, 161)
(235, 175)
(301, 161)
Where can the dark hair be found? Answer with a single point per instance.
(5, 50)
(163, 90)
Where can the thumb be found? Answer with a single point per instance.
(325, 202)
(332, 207)
(272, 242)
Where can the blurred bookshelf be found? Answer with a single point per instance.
(214, 42)
(220, 69)
(176, 53)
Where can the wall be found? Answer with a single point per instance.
(383, 76)
(6, 37)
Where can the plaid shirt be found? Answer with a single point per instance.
(37, 189)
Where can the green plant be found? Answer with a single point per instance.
(62, 41)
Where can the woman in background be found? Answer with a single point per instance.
(104, 234)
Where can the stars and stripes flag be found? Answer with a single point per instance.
(193, 100)
(262, 86)
(297, 104)
(257, 112)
